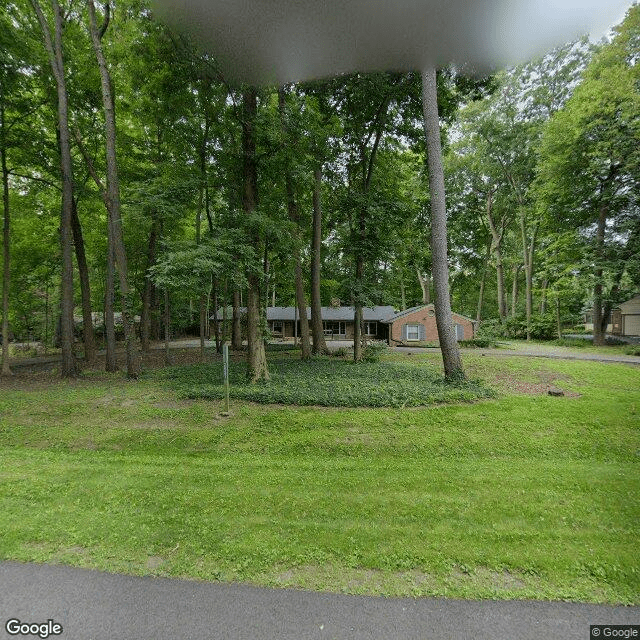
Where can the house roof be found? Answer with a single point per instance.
(379, 313)
(631, 306)
(407, 312)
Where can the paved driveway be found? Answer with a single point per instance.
(91, 605)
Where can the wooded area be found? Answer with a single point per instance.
(122, 143)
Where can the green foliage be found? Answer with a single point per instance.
(632, 350)
(329, 382)
(543, 327)
(374, 351)
(478, 343)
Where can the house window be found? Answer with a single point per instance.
(459, 332)
(276, 327)
(335, 328)
(371, 328)
(413, 332)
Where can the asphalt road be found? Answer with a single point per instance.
(91, 605)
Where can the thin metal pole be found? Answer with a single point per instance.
(225, 362)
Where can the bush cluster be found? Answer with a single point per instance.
(543, 327)
(632, 350)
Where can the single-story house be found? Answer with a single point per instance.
(417, 324)
(283, 322)
(625, 319)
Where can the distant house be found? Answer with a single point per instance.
(625, 319)
(284, 322)
(417, 324)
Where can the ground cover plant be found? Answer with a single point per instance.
(519, 496)
(329, 381)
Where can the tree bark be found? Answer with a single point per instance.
(425, 285)
(113, 193)
(497, 235)
(599, 332)
(111, 363)
(56, 59)
(514, 290)
(319, 343)
(167, 329)
(485, 268)
(294, 216)
(147, 292)
(236, 325)
(6, 247)
(256, 355)
(85, 288)
(528, 248)
(444, 317)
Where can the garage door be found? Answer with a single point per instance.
(632, 325)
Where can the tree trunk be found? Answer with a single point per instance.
(497, 236)
(543, 297)
(599, 332)
(319, 344)
(236, 325)
(440, 269)
(6, 253)
(302, 310)
(357, 315)
(403, 297)
(147, 292)
(113, 193)
(425, 285)
(256, 355)
(216, 323)
(54, 50)
(111, 363)
(167, 329)
(85, 290)
(485, 268)
(294, 216)
(527, 254)
(514, 290)
(558, 322)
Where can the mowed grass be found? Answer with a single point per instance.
(521, 496)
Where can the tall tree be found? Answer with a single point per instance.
(589, 170)
(113, 190)
(444, 317)
(256, 355)
(54, 50)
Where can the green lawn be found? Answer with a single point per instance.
(521, 496)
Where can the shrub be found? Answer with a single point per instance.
(374, 351)
(572, 342)
(342, 352)
(478, 343)
(632, 350)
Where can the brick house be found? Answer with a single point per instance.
(418, 324)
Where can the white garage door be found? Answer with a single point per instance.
(632, 325)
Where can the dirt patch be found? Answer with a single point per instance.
(546, 380)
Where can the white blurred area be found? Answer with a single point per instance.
(276, 41)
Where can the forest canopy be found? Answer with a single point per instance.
(142, 186)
